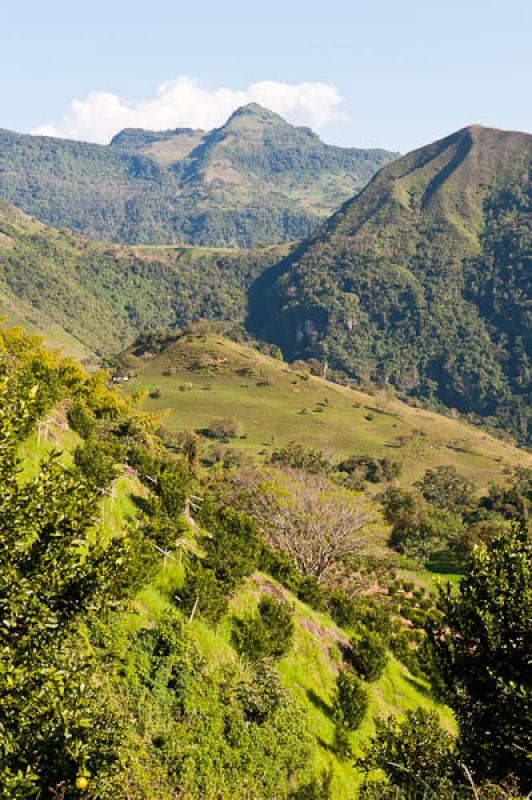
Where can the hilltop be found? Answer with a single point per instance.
(197, 376)
(256, 179)
(422, 280)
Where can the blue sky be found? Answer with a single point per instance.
(377, 73)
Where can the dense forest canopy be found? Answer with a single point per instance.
(422, 281)
(255, 180)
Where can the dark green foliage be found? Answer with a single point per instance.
(280, 566)
(126, 192)
(350, 700)
(513, 501)
(373, 616)
(266, 634)
(417, 756)
(202, 593)
(368, 654)
(419, 528)
(204, 730)
(422, 281)
(311, 592)
(82, 419)
(173, 488)
(53, 577)
(342, 608)
(318, 789)
(97, 460)
(67, 279)
(233, 549)
(262, 697)
(445, 488)
(482, 650)
(374, 470)
(297, 456)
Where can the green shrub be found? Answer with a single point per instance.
(202, 593)
(82, 419)
(368, 654)
(266, 634)
(297, 456)
(350, 701)
(417, 757)
(342, 608)
(97, 460)
(225, 428)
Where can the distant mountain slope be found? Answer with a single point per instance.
(255, 180)
(92, 298)
(423, 280)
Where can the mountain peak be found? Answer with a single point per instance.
(255, 112)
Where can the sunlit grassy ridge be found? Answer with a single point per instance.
(200, 377)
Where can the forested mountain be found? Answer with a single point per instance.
(423, 280)
(256, 179)
(94, 298)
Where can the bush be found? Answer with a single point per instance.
(266, 634)
(369, 655)
(82, 419)
(342, 608)
(296, 456)
(415, 755)
(375, 617)
(225, 428)
(351, 700)
(233, 550)
(203, 591)
(97, 461)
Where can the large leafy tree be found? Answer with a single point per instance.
(53, 576)
(482, 650)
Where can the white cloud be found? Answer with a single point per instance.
(184, 103)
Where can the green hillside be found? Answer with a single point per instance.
(92, 298)
(200, 376)
(422, 281)
(255, 180)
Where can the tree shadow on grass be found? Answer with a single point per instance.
(444, 562)
(318, 703)
(426, 691)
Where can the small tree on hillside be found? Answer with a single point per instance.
(316, 523)
(266, 634)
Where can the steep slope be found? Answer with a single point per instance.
(93, 298)
(423, 280)
(200, 375)
(256, 179)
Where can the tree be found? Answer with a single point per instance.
(316, 523)
(368, 654)
(225, 428)
(350, 701)
(482, 652)
(266, 634)
(97, 461)
(53, 576)
(297, 456)
(417, 757)
(445, 488)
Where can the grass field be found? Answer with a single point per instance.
(203, 377)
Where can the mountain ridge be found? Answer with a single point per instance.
(419, 277)
(256, 179)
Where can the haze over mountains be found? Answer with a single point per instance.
(422, 280)
(257, 179)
